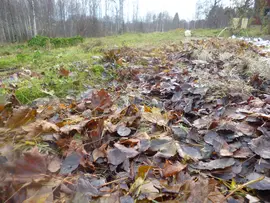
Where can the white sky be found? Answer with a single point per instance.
(185, 8)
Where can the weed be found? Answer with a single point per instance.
(98, 70)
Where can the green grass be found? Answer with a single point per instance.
(46, 61)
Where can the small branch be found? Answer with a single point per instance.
(240, 187)
(114, 181)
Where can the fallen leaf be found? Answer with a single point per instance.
(262, 185)
(126, 199)
(172, 169)
(128, 152)
(54, 165)
(155, 116)
(70, 163)
(86, 187)
(261, 146)
(149, 191)
(123, 131)
(39, 127)
(38, 198)
(32, 163)
(143, 171)
(99, 152)
(64, 72)
(20, 117)
(100, 100)
(135, 186)
(215, 164)
(115, 157)
(215, 196)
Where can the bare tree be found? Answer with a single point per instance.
(20, 20)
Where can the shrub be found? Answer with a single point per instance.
(42, 41)
(39, 41)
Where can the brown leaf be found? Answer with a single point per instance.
(199, 190)
(172, 169)
(32, 163)
(64, 72)
(39, 127)
(99, 152)
(94, 128)
(143, 170)
(20, 117)
(54, 165)
(215, 196)
(101, 100)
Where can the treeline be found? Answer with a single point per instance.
(20, 20)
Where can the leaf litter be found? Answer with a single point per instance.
(182, 123)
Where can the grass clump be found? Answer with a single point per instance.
(98, 70)
(41, 41)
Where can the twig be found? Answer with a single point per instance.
(25, 185)
(240, 187)
(114, 181)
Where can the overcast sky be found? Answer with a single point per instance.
(185, 8)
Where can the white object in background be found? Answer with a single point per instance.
(188, 33)
(244, 24)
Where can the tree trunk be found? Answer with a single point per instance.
(34, 18)
(13, 30)
(121, 16)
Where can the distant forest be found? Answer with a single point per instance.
(20, 20)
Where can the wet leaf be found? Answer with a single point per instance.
(126, 199)
(166, 146)
(128, 152)
(70, 163)
(116, 157)
(261, 146)
(86, 187)
(215, 164)
(262, 185)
